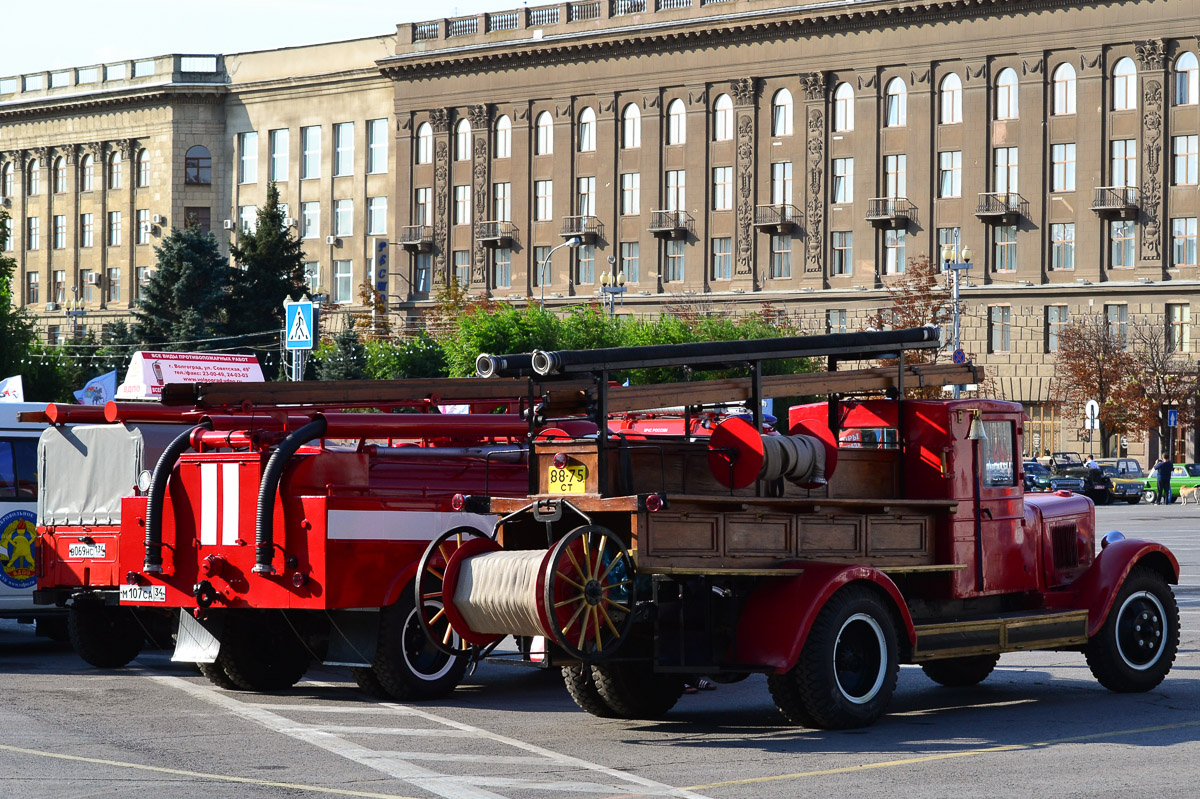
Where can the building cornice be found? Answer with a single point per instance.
(141, 97)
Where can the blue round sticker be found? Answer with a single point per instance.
(18, 531)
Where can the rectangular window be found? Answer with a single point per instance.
(1000, 328)
(997, 453)
(1186, 160)
(423, 206)
(781, 256)
(1121, 235)
(1006, 248)
(950, 174)
(60, 286)
(312, 276)
(114, 228)
(722, 188)
(248, 157)
(893, 247)
(722, 258)
(585, 264)
(630, 261)
(1179, 327)
(543, 200)
(60, 232)
(86, 230)
(377, 146)
(1062, 176)
(895, 168)
(310, 156)
(343, 282)
(142, 221)
(462, 267)
(843, 180)
(781, 183)
(1062, 245)
(541, 267)
(1057, 318)
(279, 154)
(676, 189)
(503, 138)
(835, 320)
(343, 149)
(32, 286)
(1006, 170)
(343, 217)
(502, 202)
(675, 261)
(462, 205)
(586, 195)
(33, 233)
(631, 193)
(141, 276)
(310, 220)
(948, 237)
(8, 234)
(1118, 322)
(1124, 163)
(247, 218)
(87, 280)
(424, 270)
(843, 253)
(1183, 241)
(502, 268)
(377, 216)
(112, 285)
(200, 217)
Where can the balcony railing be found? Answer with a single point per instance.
(588, 228)
(667, 5)
(578, 12)
(1001, 207)
(671, 224)
(543, 16)
(463, 26)
(777, 219)
(416, 238)
(622, 7)
(496, 234)
(503, 21)
(425, 31)
(1116, 202)
(889, 212)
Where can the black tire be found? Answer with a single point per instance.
(786, 693)
(1135, 648)
(368, 682)
(106, 637)
(215, 674)
(1134, 500)
(632, 690)
(407, 664)
(581, 685)
(960, 672)
(261, 653)
(847, 671)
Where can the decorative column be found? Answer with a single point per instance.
(745, 102)
(439, 120)
(814, 115)
(480, 117)
(1151, 56)
(129, 149)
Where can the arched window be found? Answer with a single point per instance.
(6, 180)
(1187, 80)
(781, 113)
(723, 119)
(843, 107)
(1006, 95)
(896, 112)
(503, 147)
(114, 171)
(951, 96)
(1064, 89)
(676, 123)
(60, 175)
(462, 141)
(143, 168)
(1124, 85)
(33, 178)
(87, 173)
(425, 143)
(197, 166)
(631, 127)
(545, 134)
(587, 130)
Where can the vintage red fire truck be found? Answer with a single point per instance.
(880, 530)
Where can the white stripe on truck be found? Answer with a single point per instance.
(400, 525)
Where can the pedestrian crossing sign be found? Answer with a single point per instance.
(299, 329)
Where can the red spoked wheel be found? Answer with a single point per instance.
(434, 599)
(588, 593)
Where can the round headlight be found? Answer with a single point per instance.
(144, 479)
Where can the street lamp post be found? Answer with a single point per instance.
(950, 256)
(572, 242)
(612, 285)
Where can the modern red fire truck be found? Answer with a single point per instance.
(878, 531)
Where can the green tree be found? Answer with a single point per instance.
(271, 261)
(16, 326)
(344, 358)
(417, 356)
(187, 298)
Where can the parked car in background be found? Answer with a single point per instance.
(1040, 478)
(1123, 478)
(1183, 475)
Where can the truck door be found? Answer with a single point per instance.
(1009, 554)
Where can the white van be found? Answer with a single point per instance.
(18, 514)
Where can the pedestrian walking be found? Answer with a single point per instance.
(1162, 492)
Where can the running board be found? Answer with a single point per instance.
(1007, 633)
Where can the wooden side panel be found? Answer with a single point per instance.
(766, 534)
(830, 536)
(903, 536)
(866, 474)
(673, 535)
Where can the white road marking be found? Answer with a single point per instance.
(425, 732)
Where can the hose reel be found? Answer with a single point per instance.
(739, 455)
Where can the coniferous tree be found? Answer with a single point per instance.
(16, 326)
(345, 359)
(186, 300)
(271, 261)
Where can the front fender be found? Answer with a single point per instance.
(779, 614)
(1096, 589)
